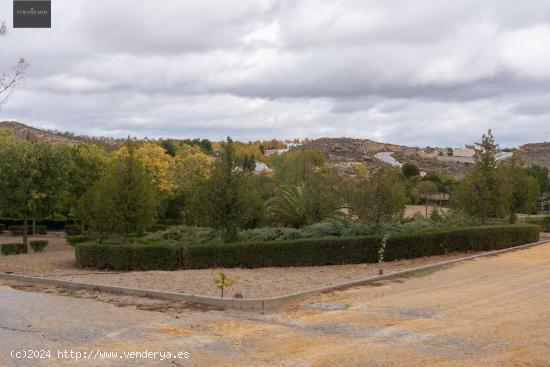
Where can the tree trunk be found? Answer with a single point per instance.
(25, 232)
(426, 208)
(82, 227)
(34, 227)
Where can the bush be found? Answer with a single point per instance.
(52, 225)
(2, 227)
(13, 248)
(129, 257)
(543, 223)
(38, 245)
(72, 229)
(302, 252)
(73, 240)
(40, 229)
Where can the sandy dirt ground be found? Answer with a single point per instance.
(263, 282)
(56, 240)
(491, 311)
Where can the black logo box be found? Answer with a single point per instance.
(32, 14)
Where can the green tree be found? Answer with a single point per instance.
(228, 199)
(123, 199)
(486, 191)
(410, 170)
(31, 178)
(295, 166)
(525, 188)
(83, 166)
(380, 197)
(542, 175)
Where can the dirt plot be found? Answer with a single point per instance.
(487, 312)
(56, 240)
(263, 282)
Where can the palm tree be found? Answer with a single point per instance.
(289, 206)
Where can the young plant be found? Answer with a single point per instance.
(224, 281)
(44, 269)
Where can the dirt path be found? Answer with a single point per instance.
(490, 311)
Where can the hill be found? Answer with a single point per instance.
(55, 137)
(346, 153)
(536, 153)
(343, 153)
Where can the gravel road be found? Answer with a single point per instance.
(490, 311)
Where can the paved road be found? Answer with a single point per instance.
(387, 157)
(491, 311)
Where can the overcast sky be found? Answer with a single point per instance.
(423, 72)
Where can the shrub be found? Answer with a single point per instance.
(13, 248)
(349, 250)
(129, 257)
(73, 240)
(72, 229)
(303, 252)
(38, 245)
(543, 223)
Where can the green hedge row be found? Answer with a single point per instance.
(13, 248)
(543, 223)
(303, 252)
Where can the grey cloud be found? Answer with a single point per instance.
(422, 73)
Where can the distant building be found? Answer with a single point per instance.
(262, 168)
(465, 152)
(283, 150)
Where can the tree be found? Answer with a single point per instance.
(191, 170)
(124, 197)
(83, 166)
(31, 178)
(427, 189)
(542, 175)
(380, 197)
(525, 188)
(169, 146)
(228, 199)
(486, 191)
(295, 166)
(410, 169)
(9, 80)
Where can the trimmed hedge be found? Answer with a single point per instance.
(543, 223)
(52, 225)
(129, 257)
(302, 252)
(38, 245)
(72, 229)
(13, 248)
(73, 240)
